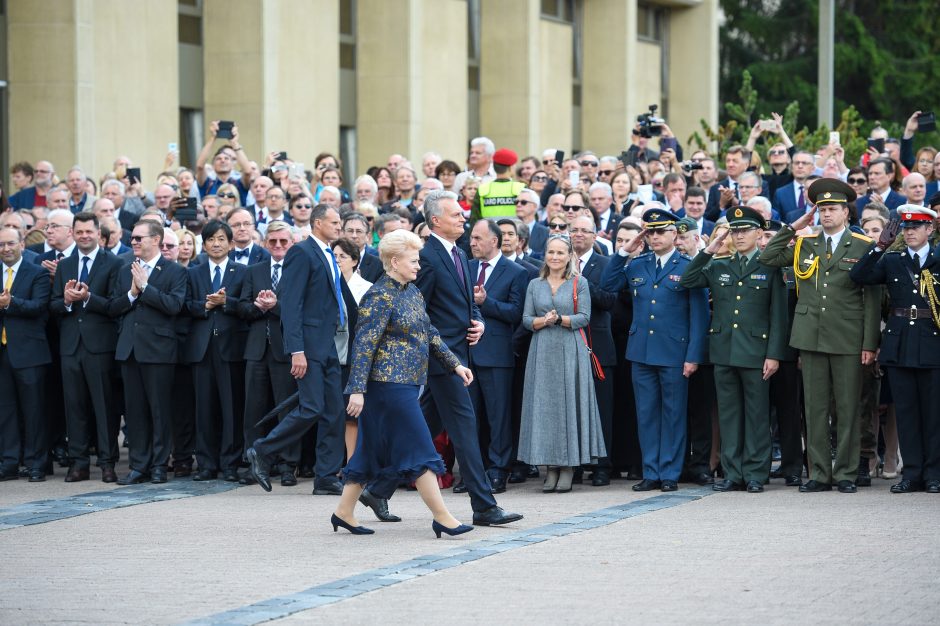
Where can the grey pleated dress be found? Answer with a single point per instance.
(560, 422)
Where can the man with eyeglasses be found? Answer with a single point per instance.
(244, 251)
(24, 360)
(28, 197)
(497, 198)
(607, 169)
(268, 380)
(87, 339)
(59, 242)
(223, 164)
(750, 185)
(259, 189)
(356, 229)
(527, 203)
(589, 164)
(148, 295)
(789, 201)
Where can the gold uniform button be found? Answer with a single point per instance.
(915, 291)
(824, 296)
(827, 273)
(825, 285)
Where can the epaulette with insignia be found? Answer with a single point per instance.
(722, 256)
(683, 255)
(864, 238)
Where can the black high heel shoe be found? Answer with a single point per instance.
(356, 530)
(440, 528)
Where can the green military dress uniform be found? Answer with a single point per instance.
(835, 320)
(748, 325)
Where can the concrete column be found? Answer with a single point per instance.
(82, 88)
(612, 94)
(693, 69)
(272, 66)
(411, 79)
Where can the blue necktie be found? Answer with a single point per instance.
(275, 276)
(337, 289)
(83, 277)
(217, 279)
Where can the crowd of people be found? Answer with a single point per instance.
(589, 317)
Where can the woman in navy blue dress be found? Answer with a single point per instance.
(389, 364)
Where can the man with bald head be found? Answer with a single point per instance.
(914, 187)
(259, 190)
(17, 222)
(29, 197)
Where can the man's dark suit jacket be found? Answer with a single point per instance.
(538, 237)
(257, 254)
(713, 210)
(87, 322)
(602, 302)
(502, 312)
(309, 312)
(222, 322)
(147, 327)
(370, 267)
(25, 318)
(261, 325)
(449, 301)
(893, 201)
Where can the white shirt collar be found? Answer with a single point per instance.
(16, 269)
(884, 196)
(152, 263)
(91, 256)
(221, 266)
(835, 238)
(512, 257)
(922, 253)
(586, 257)
(448, 245)
(665, 257)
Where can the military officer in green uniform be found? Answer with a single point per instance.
(835, 328)
(747, 338)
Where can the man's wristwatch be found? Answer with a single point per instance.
(558, 321)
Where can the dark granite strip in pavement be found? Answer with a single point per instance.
(358, 584)
(43, 511)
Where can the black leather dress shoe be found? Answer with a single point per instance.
(933, 486)
(77, 474)
(702, 478)
(108, 475)
(533, 471)
(727, 485)
(754, 486)
(863, 479)
(288, 479)
(907, 486)
(37, 476)
(498, 481)
(669, 485)
(647, 485)
(792, 481)
(813, 486)
(10, 474)
(246, 479)
(230, 475)
(847, 486)
(379, 506)
(459, 487)
(205, 474)
(158, 475)
(133, 477)
(327, 487)
(258, 468)
(776, 473)
(518, 475)
(494, 516)
(601, 478)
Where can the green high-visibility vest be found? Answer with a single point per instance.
(498, 198)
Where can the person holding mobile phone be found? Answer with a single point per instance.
(223, 164)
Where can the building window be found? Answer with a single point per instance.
(650, 22)
(562, 10)
(347, 34)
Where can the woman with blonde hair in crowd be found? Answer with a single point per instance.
(187, 247)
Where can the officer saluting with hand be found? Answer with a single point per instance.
(910, 345)
(747, 340)
(835, 327)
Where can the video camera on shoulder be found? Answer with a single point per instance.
(650, 125)
(688, 166)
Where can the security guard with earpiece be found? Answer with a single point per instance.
(835, 327)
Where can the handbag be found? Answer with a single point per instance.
(596, 368)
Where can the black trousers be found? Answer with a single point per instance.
(184, 416)
(785, 397)
(219, 410)
(701, 401)
(147, 412)
(604, 392)
(22, 392)
(918, 412)
(88, 410)
(268, 382)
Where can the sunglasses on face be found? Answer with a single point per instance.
(139, 238)
(605, 172)
(589, 163)
(523, 202)
(540, 179)
(167, 246)
(558, 227)
(547, 161)
(226, 195)
(571, 207)
(857, 181)
(778, 152)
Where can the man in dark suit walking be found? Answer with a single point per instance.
(313, 311)
(267, 366)
(444, 281)
(499, 292)
(592, 266)
(149, 294)
(216, 349)
(87, 338)
(24, 355)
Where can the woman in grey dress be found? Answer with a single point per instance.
(561, 426)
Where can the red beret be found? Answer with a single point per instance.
(505, 156)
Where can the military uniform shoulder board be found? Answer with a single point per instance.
(722, 256)
(810, 236)
(864, 238)
(894, 251)
(644, 255)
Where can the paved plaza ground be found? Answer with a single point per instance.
(214, 553)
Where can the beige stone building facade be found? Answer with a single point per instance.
(84, 81)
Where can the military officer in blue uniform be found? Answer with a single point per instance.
(747, 340)
(665, 345)
(910, 344)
